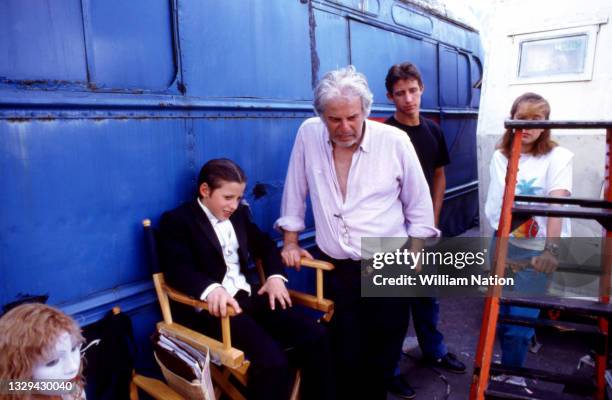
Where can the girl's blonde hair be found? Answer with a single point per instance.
(544, 144)
(28, 334)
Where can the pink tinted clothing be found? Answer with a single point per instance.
(386, 195)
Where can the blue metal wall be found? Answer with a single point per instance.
(109, 108)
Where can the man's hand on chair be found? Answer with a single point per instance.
(275, 287)
(292, 253)
(218, 300)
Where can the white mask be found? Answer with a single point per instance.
(64, 361)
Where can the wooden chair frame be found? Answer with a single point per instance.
(233, 361)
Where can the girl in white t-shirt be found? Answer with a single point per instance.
(545, 169)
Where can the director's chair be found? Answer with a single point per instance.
(233, 364)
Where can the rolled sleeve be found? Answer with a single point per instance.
(209, 289)
(277, 276)
(422, 231)
(289, 223)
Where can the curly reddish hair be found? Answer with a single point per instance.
(28, 334)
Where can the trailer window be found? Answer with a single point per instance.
(556, 55)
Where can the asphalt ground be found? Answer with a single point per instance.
(460, 320)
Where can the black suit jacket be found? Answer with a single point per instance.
(191, 255)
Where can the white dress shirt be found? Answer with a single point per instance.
(234, 280)
(386, 193)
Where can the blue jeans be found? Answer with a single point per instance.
(425, 315)
(514, 339)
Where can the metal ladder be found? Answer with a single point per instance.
(599, 210)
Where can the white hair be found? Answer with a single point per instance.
(343, 83)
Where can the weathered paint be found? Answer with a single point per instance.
(105, 121)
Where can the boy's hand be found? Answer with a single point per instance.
(218, 300)
(275, 287)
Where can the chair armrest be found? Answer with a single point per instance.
(310, 301)
(317, 264)
(230, 357)
(317, 302)
(165, 293)
(190, 301)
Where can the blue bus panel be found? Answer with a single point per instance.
(109, 108)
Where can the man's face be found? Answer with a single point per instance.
(407, 97)
(344, 119)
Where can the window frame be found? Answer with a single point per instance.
(590, 30)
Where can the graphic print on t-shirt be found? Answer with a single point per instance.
(528, 229)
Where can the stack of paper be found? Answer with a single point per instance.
(185, 361)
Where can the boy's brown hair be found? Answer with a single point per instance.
(402, 71)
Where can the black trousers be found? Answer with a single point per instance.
(367, 333)
(273, 341)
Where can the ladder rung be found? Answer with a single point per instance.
(588, 333)
(504, 391)
(579, 269)
(560, 211)
(576, 306)
(601, 215)
(582, 202)
(548, 376)
(563, 326)
(582, 269)
(548, 124)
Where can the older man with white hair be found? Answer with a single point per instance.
(364, 180)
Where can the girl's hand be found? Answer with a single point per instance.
(545, 262)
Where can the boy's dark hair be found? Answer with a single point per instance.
(220, 169)
(401, 71)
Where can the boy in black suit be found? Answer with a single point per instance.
(205, 246)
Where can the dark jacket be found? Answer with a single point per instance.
(191, 255)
